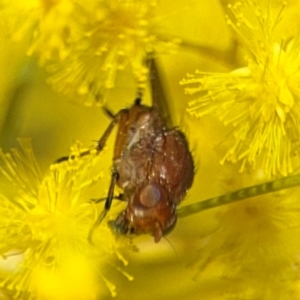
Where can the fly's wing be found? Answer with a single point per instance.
(159, 101)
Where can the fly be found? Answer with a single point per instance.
(153, 166)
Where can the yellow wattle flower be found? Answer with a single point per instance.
(261, 100)
(50, 25)
(85, 44)
(119, 34)
(47, 221)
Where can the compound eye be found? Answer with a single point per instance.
(150, 195)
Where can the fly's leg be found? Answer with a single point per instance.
(124, 121)
(120, 119)
(101, 143)
(118, 197)
(124, 118)
(108, 202)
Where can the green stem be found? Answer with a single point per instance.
(242, 194)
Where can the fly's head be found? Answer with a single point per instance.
(149, 210)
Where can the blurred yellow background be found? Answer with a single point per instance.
(54, 122)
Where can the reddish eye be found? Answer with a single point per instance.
(150, 196)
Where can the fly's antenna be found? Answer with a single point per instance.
(242, 194)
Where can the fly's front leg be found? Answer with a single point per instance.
(101, 142)
(108, 202)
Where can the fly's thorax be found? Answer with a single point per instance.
(143, 124)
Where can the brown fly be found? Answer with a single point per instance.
(152, 164)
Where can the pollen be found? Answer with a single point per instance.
(260, 100)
